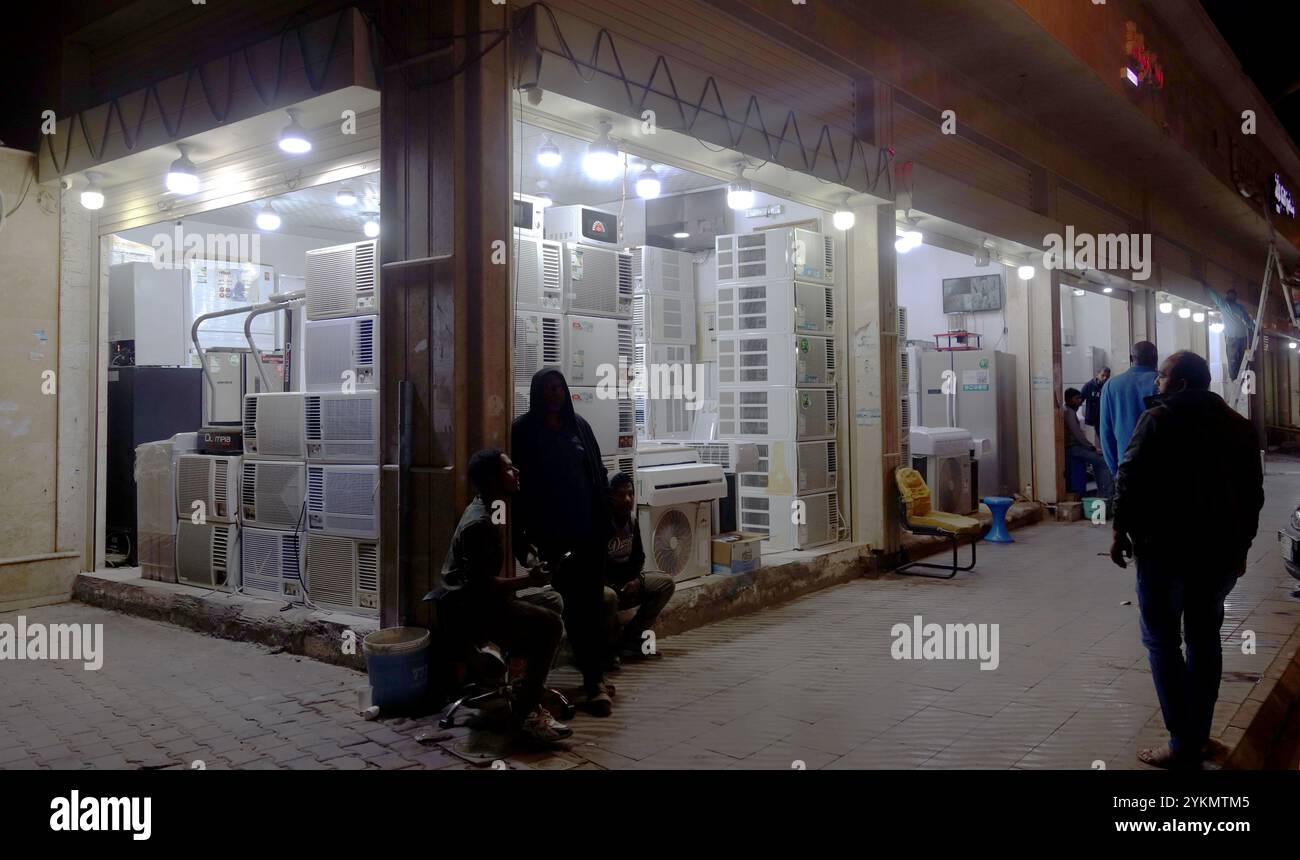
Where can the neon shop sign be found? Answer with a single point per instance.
(1143, 67)
(1282, 199)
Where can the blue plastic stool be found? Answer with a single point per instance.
(998, 506)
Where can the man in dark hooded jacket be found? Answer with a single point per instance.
(1187, 501)
(563, 508)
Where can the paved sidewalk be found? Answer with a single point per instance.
(811, 681)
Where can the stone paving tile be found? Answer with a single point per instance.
(812, 680)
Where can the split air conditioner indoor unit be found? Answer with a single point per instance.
(537, 274)
(207, 555)
(777, 360)
(272, 494)
(341, 352)
(343, 573)
(778, 412)
(539, 342)
(273, 564)
(786, 253)
(596, 281)
(613, 421)
(342, 428)
(775, 307)
(592, 349)
(818, 517)
(343, 500)
(677, 538)
(793, 468)
(212, 483)
(343, 280)
(665, 319)
(273, 425)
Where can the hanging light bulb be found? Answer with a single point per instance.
(92, 198)
(371, 227)
(548, 154)
(1025, 272)
(1198, 317)
(1108, 290)
(267, 219)
(601, 163)
(740, 193)
(844, 219)
(1184, 313)
(648, 185)
(293, 139)
(1166, 307)
(907, 240)
(345, 197)
(1077, 291)
(1290, 344)
(182, 176)
(681, 234)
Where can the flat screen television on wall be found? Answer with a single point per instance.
(971, 294)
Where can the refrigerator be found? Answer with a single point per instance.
(147, 321)
(983, 401)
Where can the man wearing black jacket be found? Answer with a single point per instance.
(626, 584)
(563, 510)
(1187, 500)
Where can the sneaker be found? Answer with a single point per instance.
(597, 702)
(540, 726)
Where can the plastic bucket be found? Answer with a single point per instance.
(397, 660)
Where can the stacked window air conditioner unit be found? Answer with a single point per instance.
(777, 381)
(343, 280)
(612, 420)
(341, 354)
(538, 285)
(664, 384)
(664, 328)
(343, 572)
(594, 348)
(539, 342)
(207, 521)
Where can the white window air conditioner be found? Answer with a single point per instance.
(537, 274)
(662, 272)
(669, 374)
(817, 516)
(776, 307)
(529, 214)
(677, 538)
(539, 342)
(207, 555)
(596, 281)
(343, 280)
(343, 573)
(613, 421)
(593, 347)
(778, 413)
(793, 468)
(273, 564)
(624, 461)
(272, 493)
(777, 360)
(581, 224)
(340, 353)
(207, 485)
(733, 457)
(342, 428)
(521, 399)
(343, 500)
(787, 253)
(663, 319)
(902, 325)
(273, 425)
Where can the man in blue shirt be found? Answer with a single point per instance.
(1123, 400)
(1237, 328)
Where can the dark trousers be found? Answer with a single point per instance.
(658, 590)
(523, 629)
(579, 582)
(1171, 596)
(1236, 351)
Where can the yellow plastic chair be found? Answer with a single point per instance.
(919, 518)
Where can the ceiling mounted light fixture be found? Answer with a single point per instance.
(648, 185)
(740, 192)
(345, 197)
(1025, 272)
(1290, 344)
(907, 240)
(371, 227)
(548, 154)
(681, 234)
(601, 163)
(1166, 307)
(293, 139)
(92, 197)
(1198, 317)
(844, 219)
(183, 176)
(1077, 291)
(1184, 313)
(267, 219)
(1108, 290)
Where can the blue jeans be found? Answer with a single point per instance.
(1099, 469)
(1180, 602)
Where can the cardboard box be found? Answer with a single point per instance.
(737, 552)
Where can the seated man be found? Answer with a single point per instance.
(1077, 446)
(478, 606)
(625, 583)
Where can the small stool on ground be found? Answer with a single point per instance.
(998, 507)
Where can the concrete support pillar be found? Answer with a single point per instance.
(1047, 480)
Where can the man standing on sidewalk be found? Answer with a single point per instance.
(1187, 501)
(1123, 401)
